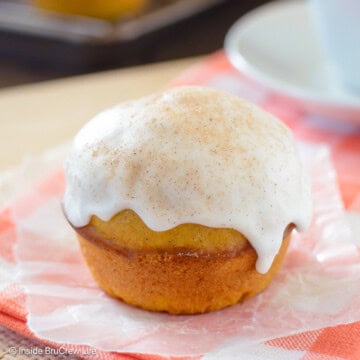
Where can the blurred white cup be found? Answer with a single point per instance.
(338, 25)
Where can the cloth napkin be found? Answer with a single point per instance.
(341, 342)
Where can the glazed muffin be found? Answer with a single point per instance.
(185, 201)
(103, 9)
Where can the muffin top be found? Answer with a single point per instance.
(190, 155)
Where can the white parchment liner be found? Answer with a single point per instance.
(318, 286)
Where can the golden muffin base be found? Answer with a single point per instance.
(178, 282)
(127, 231)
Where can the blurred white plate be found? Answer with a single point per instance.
(276, 45)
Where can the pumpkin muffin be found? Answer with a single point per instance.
(184, 201)
(103, 9)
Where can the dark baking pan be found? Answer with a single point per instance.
(78, 44)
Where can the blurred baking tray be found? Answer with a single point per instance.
(40, 36)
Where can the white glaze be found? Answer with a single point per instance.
(190, 155)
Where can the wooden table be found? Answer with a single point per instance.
(37, 117)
